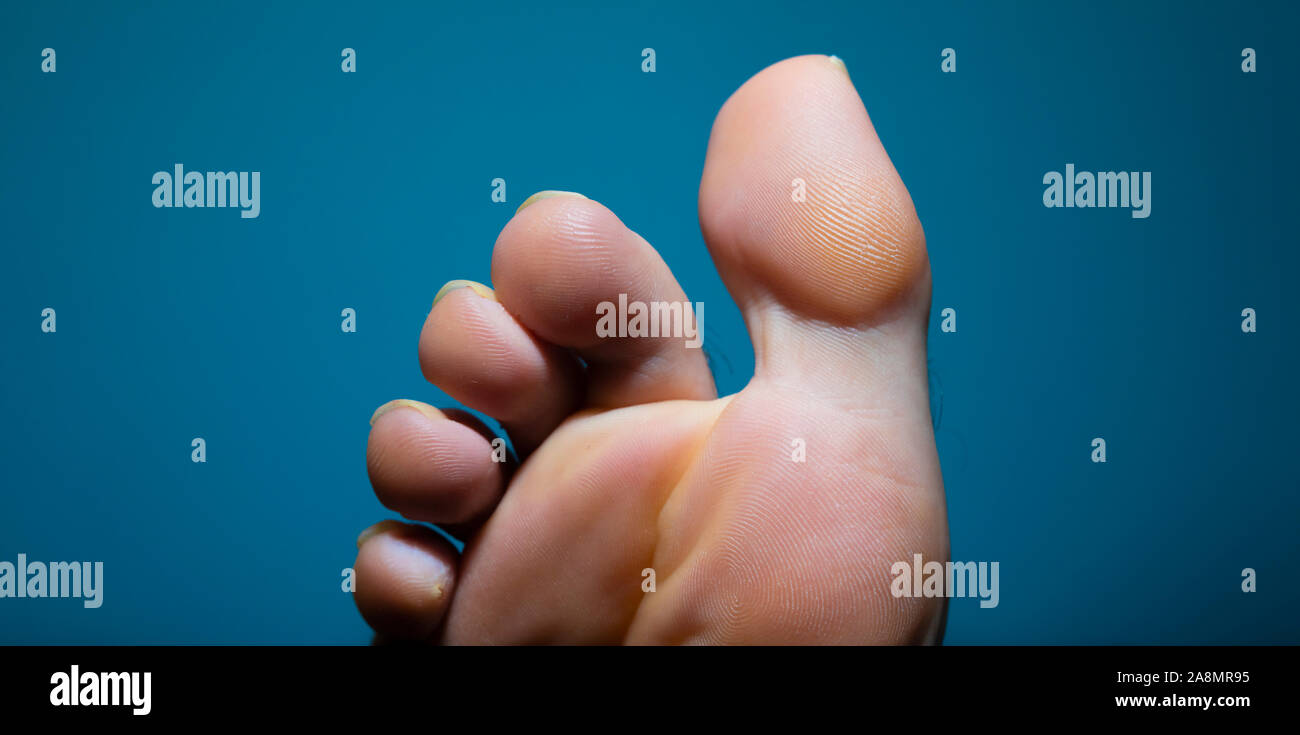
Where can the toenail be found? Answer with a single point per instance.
(547, 195)
(838, 62)
(378, 528)
(474, 286)
(423, 408)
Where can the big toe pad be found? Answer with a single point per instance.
(800, 204)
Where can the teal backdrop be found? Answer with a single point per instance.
(375, 189)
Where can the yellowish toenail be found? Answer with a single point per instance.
(474, 286)
(547, 195)
(423, 408)
(377, 529)
(837, 61)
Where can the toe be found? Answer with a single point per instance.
(429, 467)
(801, 206)
(564, 265)
(477, 353)
(405, 576)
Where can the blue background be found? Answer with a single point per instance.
(1072, 324)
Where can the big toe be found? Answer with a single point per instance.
(803, 211)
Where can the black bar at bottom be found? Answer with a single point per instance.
(438, 686)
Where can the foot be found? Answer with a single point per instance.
(768, 516)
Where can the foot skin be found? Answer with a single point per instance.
(630, 460)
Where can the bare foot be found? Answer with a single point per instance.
(631, 462)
